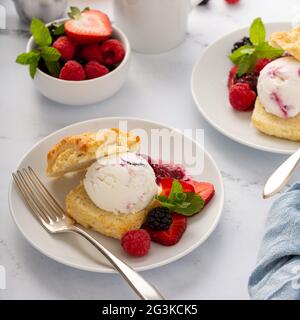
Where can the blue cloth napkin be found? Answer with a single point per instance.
(277, 273)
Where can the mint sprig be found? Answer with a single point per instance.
(43, 40)
(246, 56)
(185, 203)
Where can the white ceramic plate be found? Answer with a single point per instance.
(76, 252)
(209, 89)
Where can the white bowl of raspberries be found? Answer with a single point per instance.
(81, 60)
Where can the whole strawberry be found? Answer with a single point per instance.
(72, 70)
(65, 47)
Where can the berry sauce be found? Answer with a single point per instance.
(166, 170)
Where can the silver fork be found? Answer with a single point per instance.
(54, 219)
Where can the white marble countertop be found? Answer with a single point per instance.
(219, 269)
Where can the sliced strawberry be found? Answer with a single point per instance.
(166, 185)
(89, 26)
(205, 190)
(173, 234)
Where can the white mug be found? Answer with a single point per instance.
(153, 26)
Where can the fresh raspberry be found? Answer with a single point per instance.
(94, 69)
(66, 47)
(72, 70)
(232, 1)
(112, 51)
(136, 242)
(249, 78)
(261, 63)
(242, 97)
(231, 76)
(92, 52)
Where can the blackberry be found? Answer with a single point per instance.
(203, 3)
(159, 218)
(242, 42)
(250, 78)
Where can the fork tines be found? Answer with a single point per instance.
(38, 198)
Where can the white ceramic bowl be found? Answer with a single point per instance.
(86, 91)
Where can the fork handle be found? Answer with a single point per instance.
(141, 287)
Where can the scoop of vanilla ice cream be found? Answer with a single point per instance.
(123, 183)
(278, 87)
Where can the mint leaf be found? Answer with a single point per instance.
(167, 204)
(240, 52)
(196, 203)
(175, 190)
(180, 197)
(264, 50)
(53, 67)
(162, 198)
(28, 57)
(32, 68)
(186, 203)
(257, 31)
(245, 63)
(182, 205)
(40, 33)
(176, 187)
(164, 201)
(50, 54)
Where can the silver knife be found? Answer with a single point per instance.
(282, 175)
